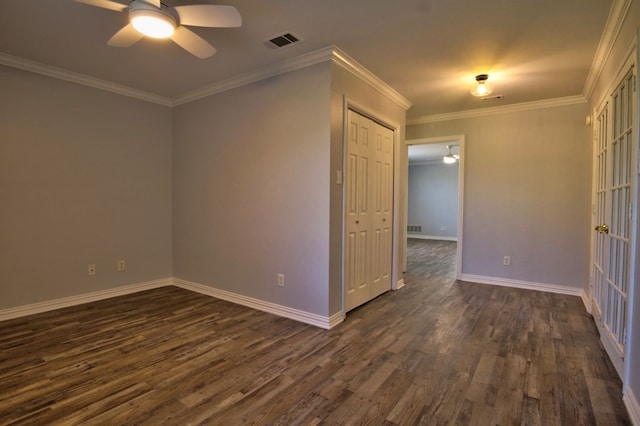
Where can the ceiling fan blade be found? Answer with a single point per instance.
(209, 15)
(155, 3)
(126, 37)
(193, 43)
(105, 4)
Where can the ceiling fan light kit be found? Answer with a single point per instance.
(153, 19)
(481, 88)
(450, 158)
(152, 22)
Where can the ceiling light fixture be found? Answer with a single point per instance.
(155, 23)
(450, 158)
(481, 87)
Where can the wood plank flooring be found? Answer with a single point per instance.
(437, 352)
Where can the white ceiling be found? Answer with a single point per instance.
(427, 50)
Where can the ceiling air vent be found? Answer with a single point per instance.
(282, 41)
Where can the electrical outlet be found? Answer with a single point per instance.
(443, 228)
(506, 261)
(91, 269)
(121, 265)
(281, 280)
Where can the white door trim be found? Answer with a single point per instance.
(460, 140)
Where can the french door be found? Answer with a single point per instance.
(614, 174)
(368, 210)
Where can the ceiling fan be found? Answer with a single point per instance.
(154, 19)
(450, 158)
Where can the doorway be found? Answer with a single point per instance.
(438, 214)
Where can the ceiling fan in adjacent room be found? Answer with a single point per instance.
(450, 158)
(154, 19)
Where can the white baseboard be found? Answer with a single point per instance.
(633, 407)
(527, 285)
(586, 300)
(49, 305)
(431, 237)
(261, 305)
(399, 284)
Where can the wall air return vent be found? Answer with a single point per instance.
(414, 228)
(282, 40)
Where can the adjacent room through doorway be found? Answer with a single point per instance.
(433, 203)
(430, 258)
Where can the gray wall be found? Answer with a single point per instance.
(255, 191)
(433, 199)
(227, 191)
(345, 86)
(85, 177)
(526, 193)
(251, 190)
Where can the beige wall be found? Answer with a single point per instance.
(526, 193)
(85, 177)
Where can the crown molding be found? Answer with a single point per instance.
(617, 15)
(282, 67)
(85, 80)
(302, 61)
(330, 53)
(348, 63)
(524, 106)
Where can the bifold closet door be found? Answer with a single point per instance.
(368, 209)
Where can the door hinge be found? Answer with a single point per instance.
(630, 211)
(624, 337)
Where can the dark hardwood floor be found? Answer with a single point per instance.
(437, 352)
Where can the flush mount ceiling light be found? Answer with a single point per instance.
(152, 22)
(450, 158)
(481, 87)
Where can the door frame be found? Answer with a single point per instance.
(460, 140)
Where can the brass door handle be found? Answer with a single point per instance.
(603, 228)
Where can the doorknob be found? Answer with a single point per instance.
(603, 228)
